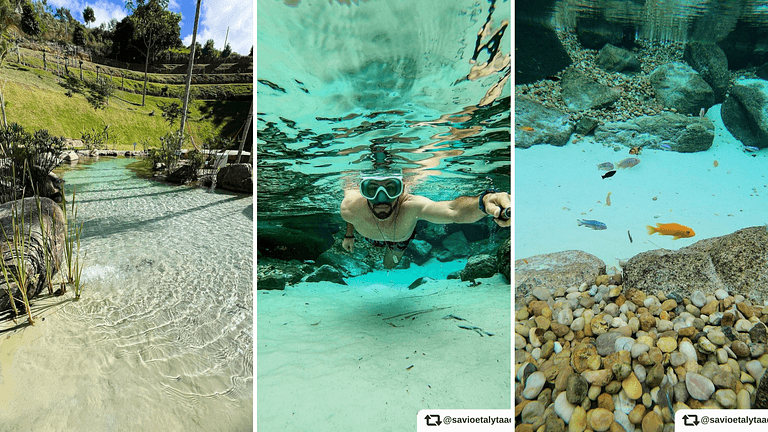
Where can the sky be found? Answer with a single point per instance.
(215, 16)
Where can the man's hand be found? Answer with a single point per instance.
(496, 204)
(348, 244)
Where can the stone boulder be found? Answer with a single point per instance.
(615, 59)
(504, 258)
(555, 270)
(542, 49)
(70, 156)
(581, 93)
(236, 178)
(479, 266)
(419, 250)
(345, 263)
(182, 175)
(33, 252)
(271, 282)
(666, 131)
(710, 62)
(550, 126)
(736, 262)
(744, 112)
(679, 86)
(326, 273)
(287, 243)
(595, 33)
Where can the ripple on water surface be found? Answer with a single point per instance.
(165, 324)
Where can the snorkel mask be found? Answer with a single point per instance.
(381, 188)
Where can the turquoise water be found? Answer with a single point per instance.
(345, 87)
(162, 338)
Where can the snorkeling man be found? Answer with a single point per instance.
(386, 215)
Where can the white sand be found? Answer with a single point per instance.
(555, 186)
(331, 357)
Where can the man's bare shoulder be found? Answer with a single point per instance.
(416, 203)
(351, 204)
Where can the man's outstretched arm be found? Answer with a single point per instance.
(463, 209)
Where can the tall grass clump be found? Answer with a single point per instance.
(17, 274)
(74, 264)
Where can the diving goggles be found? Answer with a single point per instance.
(381, 189)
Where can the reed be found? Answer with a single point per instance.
(72, 246)
(19, 275)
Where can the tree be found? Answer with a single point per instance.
(208, 51)
(29, 20)
(227, 51)
(157, 29)
(88, 16)
(78, 36)
(250, 54)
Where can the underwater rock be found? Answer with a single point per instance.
(236, 178)
(457, 245)
(288, 243)
(744, 113)
(504, 258)
(271, 282)
(326, 273)
(595, 33)
(542, 49)
(710, 62)
(419, 250)
(33, 248)
(736, 262)
(547, 125)
(678, 132)
(582, 93)
(679, 86)
(615, 59)
(348, 265)
(479, 266)
(555, 270)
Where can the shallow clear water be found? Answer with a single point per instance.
(162, 338)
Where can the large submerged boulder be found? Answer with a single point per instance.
(710, 62)
(555, 270)
(744, 112)
(736, 263)
(581, 93)
(542, 125)
(666, 131)
(33, 252)
(679, 86)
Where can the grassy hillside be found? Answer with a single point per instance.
(37, 99)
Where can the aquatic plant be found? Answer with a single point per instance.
(18, 275)
(72, 246)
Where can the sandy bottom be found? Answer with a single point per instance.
(555, 186)
(368, 356)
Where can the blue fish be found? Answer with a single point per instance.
(595, 225)
(751, 148)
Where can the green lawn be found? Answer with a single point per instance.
(36, 99)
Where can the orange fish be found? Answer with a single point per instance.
(673, 229)
(527, 128)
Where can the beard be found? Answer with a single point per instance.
(382, 211)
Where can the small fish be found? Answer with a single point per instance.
(667, 146)
(605, 166)
(751, 148)
(608, 199)
(609, 174)
(527, 128)
(673, 229)
(635, 150)
(630, 236)
(628, 162)
(595, 225)
(715, 164)
(702, 112)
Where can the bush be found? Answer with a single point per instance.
(29, 158)
(169, 151)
